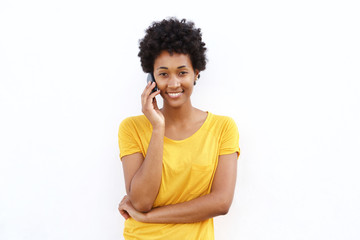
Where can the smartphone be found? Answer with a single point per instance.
(150, 78)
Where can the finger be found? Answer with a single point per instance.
(122, 210)
(124, 214)
(123, 201)
(153, 95)
(147, 104)
(145, 93)
(155, 104)
(146, 101)
(149, 87)
(121, 205)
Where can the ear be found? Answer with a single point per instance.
(197, 74)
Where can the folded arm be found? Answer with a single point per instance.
(143, 176)
(216, 203)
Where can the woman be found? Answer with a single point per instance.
(179, 162)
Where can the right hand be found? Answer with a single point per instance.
(150, 108)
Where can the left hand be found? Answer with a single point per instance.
(127, 210)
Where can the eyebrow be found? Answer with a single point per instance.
(168, 68)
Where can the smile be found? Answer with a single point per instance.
(174, 95)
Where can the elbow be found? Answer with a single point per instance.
(223, 206)
(141, 203)
(142, 206)
(223, 210)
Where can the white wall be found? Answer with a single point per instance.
(286, 71)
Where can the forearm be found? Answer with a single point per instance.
(196, 210)
(216, 203)
(146, 182)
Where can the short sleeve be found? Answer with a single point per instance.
(126, 136)
(230, 138)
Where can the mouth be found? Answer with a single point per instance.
(175, 94)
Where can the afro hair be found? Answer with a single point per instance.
(172, 35)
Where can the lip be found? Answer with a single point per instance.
(175, 94)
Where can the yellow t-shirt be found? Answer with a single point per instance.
(188, 170)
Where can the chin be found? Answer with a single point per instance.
(175, 104)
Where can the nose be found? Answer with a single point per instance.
(174, 82)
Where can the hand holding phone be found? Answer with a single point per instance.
(150, 78)
(149, 104)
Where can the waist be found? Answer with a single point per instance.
(157, 231)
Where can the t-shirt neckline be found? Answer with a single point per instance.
(194, 134)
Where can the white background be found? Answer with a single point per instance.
(286, 71)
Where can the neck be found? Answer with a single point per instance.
(178, 115)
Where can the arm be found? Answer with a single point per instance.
(143, 176)
(216, 203)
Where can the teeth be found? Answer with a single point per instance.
(174, 94)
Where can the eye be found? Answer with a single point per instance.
(182, 73)
(163, 74)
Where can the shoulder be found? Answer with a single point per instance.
(219, 125)
(140, 119)
(220, 120)
(227, 130)
(134, 122)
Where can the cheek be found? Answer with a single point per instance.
(162, 94)
(160, 83)
(161, 87)
(189, 83)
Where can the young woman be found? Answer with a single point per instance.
(179, 162)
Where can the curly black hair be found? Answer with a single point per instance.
(174, 36)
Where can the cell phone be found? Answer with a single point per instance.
(150, 78)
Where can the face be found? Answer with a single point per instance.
(174, 76)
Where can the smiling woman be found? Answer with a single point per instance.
(179, 162)
(175, 77)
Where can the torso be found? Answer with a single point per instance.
(188, 168)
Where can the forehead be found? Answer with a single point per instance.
(172, 61)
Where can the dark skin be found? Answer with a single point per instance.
(177, 120)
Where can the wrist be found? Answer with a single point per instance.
(145, 217)
(159, 128)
